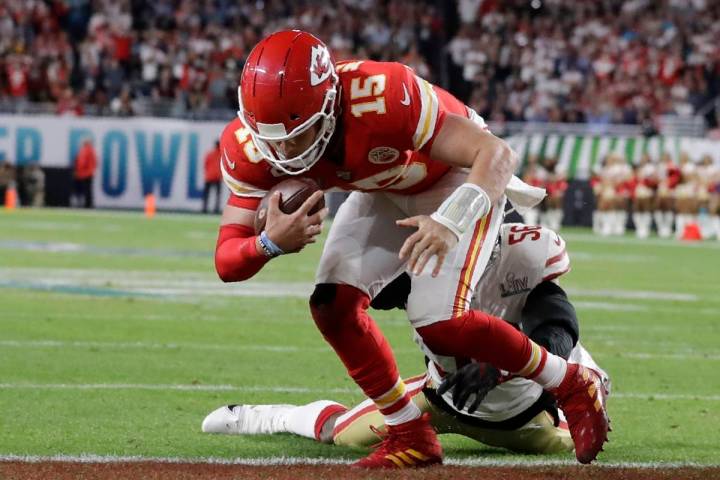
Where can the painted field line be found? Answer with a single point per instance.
(633, 294)
(72, 247)
(610, 307)
(579, 255)
(274, 461)
(116, 214)
(631, 241)
(284, 348)
(270, 389)
(203, 283)
(173, 387)
(156, 346)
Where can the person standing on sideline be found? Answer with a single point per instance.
(7, 178)
(213, 176)
(85, 166)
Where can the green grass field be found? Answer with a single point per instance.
(116, 339)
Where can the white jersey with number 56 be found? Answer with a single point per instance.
(524, 257)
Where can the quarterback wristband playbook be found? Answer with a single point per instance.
(268, 246)
(463, 208)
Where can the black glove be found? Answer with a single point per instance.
(473, 378)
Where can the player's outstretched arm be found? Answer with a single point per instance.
(461, 143)
(239, 253)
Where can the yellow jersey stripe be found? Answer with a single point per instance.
(429, 127)
(461, 299)
(428, 113)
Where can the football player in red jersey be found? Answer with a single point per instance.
(417, 159)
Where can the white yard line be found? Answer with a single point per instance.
(172, 387)
(48, 343)
(197, 284)
(274, 461)
(572, 237)
(633, 294)
(155, 346)
(270, 389)
(610, 307)
(579, 255)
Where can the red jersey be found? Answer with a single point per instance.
(85, 162)
(389, 119)
(212, 166)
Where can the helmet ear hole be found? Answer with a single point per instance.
(294, 117)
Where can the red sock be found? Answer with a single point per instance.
(340, 312)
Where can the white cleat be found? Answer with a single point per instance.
(247, 419)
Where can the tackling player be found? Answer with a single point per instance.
(415, 158)
(520, 285)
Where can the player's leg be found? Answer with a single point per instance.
(438, 307)
(303, 420)
(361, 425)
(360, 257)
(538, 436)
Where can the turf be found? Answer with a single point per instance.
(96, 358)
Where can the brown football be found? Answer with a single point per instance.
(293, 193)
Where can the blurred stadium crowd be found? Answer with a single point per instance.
(596, 61)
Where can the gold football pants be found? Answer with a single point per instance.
(539, 435)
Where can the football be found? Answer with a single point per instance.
(294, 192)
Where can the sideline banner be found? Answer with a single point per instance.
(136, 155)
(580, 155)
(139, 155)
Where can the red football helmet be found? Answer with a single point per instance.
(289, 84)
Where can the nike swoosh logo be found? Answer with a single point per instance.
(227, 159)
(406, 100)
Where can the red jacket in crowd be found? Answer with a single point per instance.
(85, 162)
(212, 166)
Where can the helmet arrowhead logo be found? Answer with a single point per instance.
(320, 65)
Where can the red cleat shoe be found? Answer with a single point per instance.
(581, 396)
(413, 444)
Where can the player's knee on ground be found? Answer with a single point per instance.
(334, 307)
(541, 436)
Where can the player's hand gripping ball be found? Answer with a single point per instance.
(291, 213)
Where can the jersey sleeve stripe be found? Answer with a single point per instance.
(557, 265)
(556, 258)
(240, 188)
(428, 114)
(553, 276)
